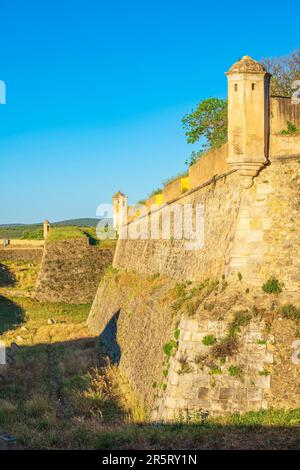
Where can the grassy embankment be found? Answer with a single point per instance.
(53, 395)
(69, 232)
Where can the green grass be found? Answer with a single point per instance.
(60, 233)
(65, 233)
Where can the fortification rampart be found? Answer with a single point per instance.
(171, 304)
(71, 271)
(24, 253)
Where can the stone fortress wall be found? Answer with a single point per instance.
(250, 190)
(71, 271)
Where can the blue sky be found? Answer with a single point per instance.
(96, 91)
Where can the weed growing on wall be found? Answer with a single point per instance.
(185, 367)
(187, 298)
(264, 372)
(272, 286)
(235, 371)
(290, 130)
(209, 340)
(290, 311)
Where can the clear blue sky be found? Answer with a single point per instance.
(96, 91)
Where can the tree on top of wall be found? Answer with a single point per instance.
(284, 70)
(209, 119)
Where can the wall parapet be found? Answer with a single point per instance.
(282, 110)
(284, 146)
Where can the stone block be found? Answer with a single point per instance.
(181, 403)
(174, 379)
(264, 188)
(185, 335)
(203, 393)
(264, 405)
(254, 394)
(258, 211)
(213, 325)
(266, 223)
(244, 213)
(190, 325)
(269, 358)
(170, 402)
(238, 261)
(226, 393)
(197, 336)
(255, 223)
(243, 224)
(263, 381)
(240, 394)
(254, 236)
(220, 405)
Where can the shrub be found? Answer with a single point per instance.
(208, 306)
(7, 412)
(241, 318)
(192, 307)
(261, 342)
(199, 359)
(264, 372)
(185, 367)
(177, 334)
(110, 270)
(180, 289)
(239, 275)
(170, 347)
(272, 286)
(226, 347)
(216, 371)
(209, 340)
(290, 311)
(33, 235)
(235, 371)
(291, 129)
(36, 407)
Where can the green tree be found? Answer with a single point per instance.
(208, 120)
(37, 234)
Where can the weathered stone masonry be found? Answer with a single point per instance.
(252, 225)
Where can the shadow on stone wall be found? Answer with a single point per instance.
(109, 338)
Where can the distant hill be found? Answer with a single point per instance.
(89, 222)
(12, 231)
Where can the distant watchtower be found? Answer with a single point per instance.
(248, 117)
(46, 228)
(120, 210)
